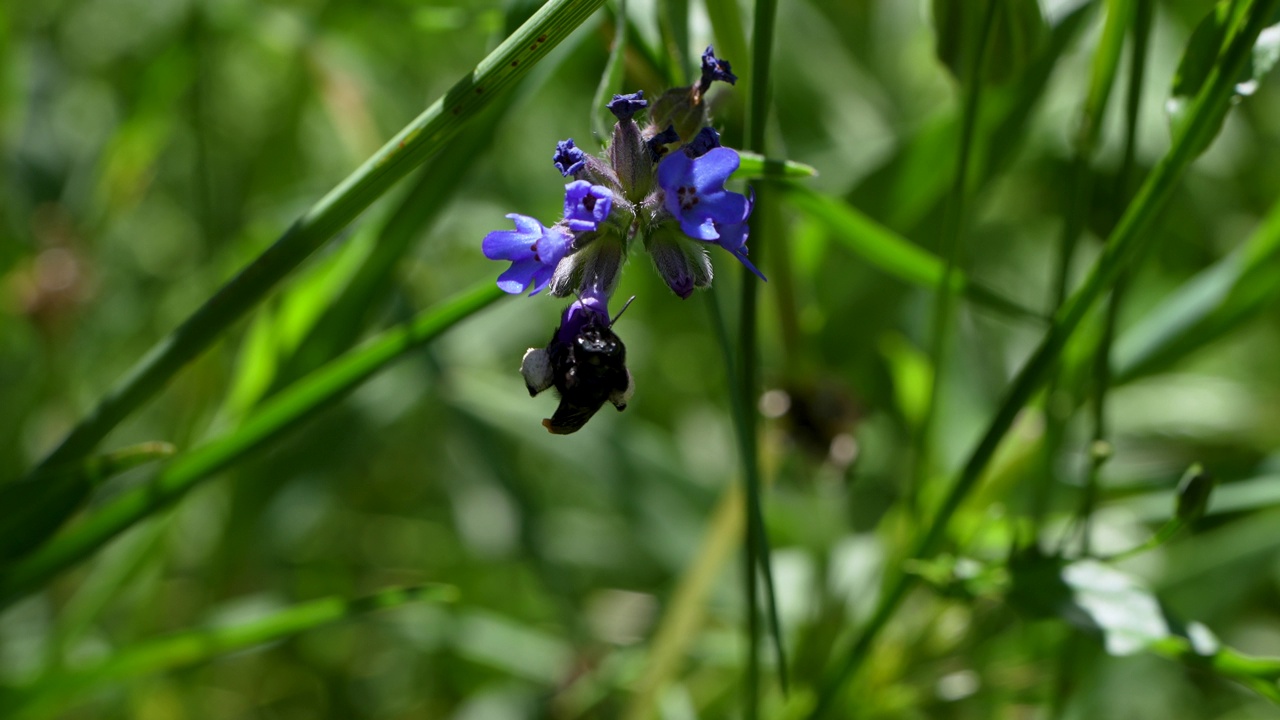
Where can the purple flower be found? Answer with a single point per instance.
(704, 142)
(534, 252)
(733, 237)
(656, 143)
(713, 68)
(568, 158)
(695, 195)
(586, 205)
(624, 106)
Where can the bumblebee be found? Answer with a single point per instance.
(586, 362)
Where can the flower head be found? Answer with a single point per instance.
(568, 158)
(624, 107)
(534, 252)
(586, 205)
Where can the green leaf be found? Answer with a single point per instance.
(1201, 55)
(1115, 604)
(1206, 307)
(1018, 33)
(33, 508)
(197, 646)
(753, 165)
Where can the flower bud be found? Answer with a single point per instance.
(681, 108)
(596, 263)
(681, 261)
(1193, 493)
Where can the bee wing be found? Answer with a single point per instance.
(536, 369)
(570, 417)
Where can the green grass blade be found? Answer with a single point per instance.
(196, 646)
(32, 509)
(280, 413)
(1206, 307)
(952, 232)
(759, 95)
(893, 253)
(420, 139)
(1127, 243)
(753, 165)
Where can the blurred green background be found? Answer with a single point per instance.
(153, 148)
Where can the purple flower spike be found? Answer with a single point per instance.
(695, 195)
(586, 205)
(534, 252)
(624, 106)
(705, 141)
(568, 158)
(713, 68)
(666, 137)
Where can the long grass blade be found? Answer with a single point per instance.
(759, 99)
(282, 412)
(423, 137)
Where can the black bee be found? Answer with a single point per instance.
(586, 362)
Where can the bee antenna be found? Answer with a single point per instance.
(625, 305)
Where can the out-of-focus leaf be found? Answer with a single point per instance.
(33, 508)
(299, 401)
(195, 646)
(1090, 595)
(915, 179)
(1206, 307)
(1201, 55)
(1116, 604)
(912, 376)
(1017, 34)
(891, 252)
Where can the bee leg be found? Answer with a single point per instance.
(536, 369)
(619, 398)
